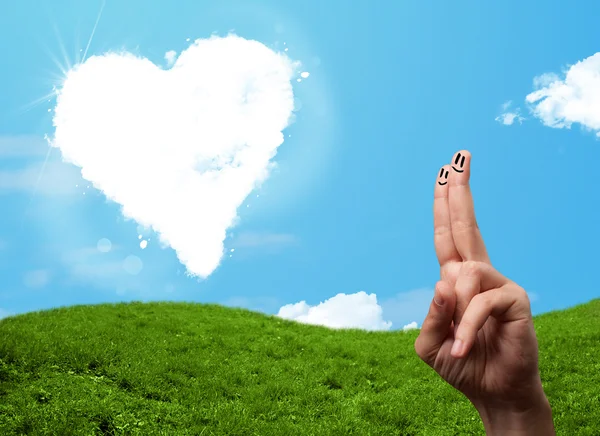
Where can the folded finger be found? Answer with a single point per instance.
(474, 278)
(437, 325)
(507, 303)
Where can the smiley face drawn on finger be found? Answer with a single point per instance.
(462, 163)
(443, 177)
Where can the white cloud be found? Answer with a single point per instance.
(411, 326)
(37, 278)
(411, 307)
(357, 310)
(559, 103)
(509, 117)
(170, 57)
(545, 80)
(180, 149)
(344, 311)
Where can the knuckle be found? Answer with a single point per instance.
(486, 300)
(441, 230)
(522, 295)
(464, 225)
(481, 301)
(471, 268)
(417, 347)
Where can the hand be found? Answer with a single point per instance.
(498, 367)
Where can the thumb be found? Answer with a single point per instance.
(437, 324)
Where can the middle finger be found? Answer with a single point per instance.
(465, 231)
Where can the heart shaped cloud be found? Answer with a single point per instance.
(178, 149)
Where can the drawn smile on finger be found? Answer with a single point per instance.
(462, 163)
(443, 177)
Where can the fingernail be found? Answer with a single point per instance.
(457, 348)
(437, 297)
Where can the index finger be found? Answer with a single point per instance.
(442, 231)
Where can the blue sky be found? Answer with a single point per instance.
(393, 92)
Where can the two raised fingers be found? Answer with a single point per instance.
(456, 233)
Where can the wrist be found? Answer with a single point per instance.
(518, 420)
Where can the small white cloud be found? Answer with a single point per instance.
(408, 306)
(575, 99)
(170, 57)
(509, 117)
(179, 150)
(506, 105)
(357, 310)
(36, 279)
(545, 80)
(411, 326)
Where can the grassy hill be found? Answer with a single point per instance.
(195, 369)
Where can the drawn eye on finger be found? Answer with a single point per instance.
(459, 162)
(443, 177)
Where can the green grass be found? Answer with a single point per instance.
(194, 369)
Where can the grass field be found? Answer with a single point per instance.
(194, 369)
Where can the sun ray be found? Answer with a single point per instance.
(93, 30)
(63, 50)
(37, 183)
(64, 69)
(78, 44)
(35, 103)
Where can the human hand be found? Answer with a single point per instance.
(498, 366)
